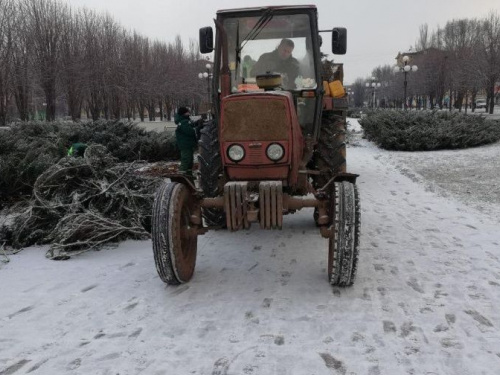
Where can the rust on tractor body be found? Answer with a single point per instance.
(255, 121)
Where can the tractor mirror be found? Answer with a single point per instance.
(206, 39)
(339, 40)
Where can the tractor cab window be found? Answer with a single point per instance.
(280, 44)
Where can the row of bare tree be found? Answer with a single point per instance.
(71, 62)
(455, 64)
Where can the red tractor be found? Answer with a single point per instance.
(275, 144)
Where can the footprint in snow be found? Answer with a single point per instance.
(333, 363)
(23, 310)
(90, 287)
(15, 367)
(389, 327)
(267, 302)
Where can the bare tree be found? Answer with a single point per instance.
(359, 92)
(46, 27)
(22, 76)
(423, 41)
(72, 64)
(458, 39)
(94, 90)
(6, 46)
(490, 52)
(389, 89)
(47, 48)
(110, 74)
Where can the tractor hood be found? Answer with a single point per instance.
(260, 136)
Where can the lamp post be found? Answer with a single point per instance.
(207, 75)
(374, 86)
(406, 68)
(350, 96)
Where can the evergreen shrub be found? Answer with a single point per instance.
(28, 149)
(428, 130)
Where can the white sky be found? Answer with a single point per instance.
(377, 30)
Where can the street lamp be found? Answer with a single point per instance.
(406, 68)
(350, 96)
(207, 75)
(374, 86)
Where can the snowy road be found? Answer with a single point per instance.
(425, 301)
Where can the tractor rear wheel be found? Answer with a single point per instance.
(330, 154)
(343, 245)
(210, 168)
(175, 240)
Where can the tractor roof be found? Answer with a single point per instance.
(256, 9)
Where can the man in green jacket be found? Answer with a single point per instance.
(185, 134)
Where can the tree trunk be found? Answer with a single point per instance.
(75, 105)
(160, 105)
(95, 108)
(50, 100)
(459, 100)
(4, 103)
(3, 110)
(169, 110)
(106, 109)
(129, 109)
(117, 110)
(142, 107)
(491, 97)
(151, 111)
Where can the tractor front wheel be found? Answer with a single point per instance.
(175, 240)
(343, 245)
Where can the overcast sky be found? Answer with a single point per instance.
(377, 29)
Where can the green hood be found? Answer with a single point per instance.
(178, 118)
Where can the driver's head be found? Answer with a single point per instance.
(285, 48)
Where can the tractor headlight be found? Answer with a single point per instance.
(275, 151)
(236, 153)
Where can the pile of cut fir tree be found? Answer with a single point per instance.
(75, 204)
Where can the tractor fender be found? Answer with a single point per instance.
(185, 180)
(323, 193)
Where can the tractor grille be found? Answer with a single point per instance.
(255, 155)
(255, 119)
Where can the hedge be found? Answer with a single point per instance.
(428, 130)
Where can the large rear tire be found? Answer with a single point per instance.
(210, 168)
(330, 154)
(175, 241)
(343, 246)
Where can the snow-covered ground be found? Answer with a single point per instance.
(157, 126)
(425, 301)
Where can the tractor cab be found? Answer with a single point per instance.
(273, 44)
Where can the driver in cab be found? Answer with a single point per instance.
(280, 61)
